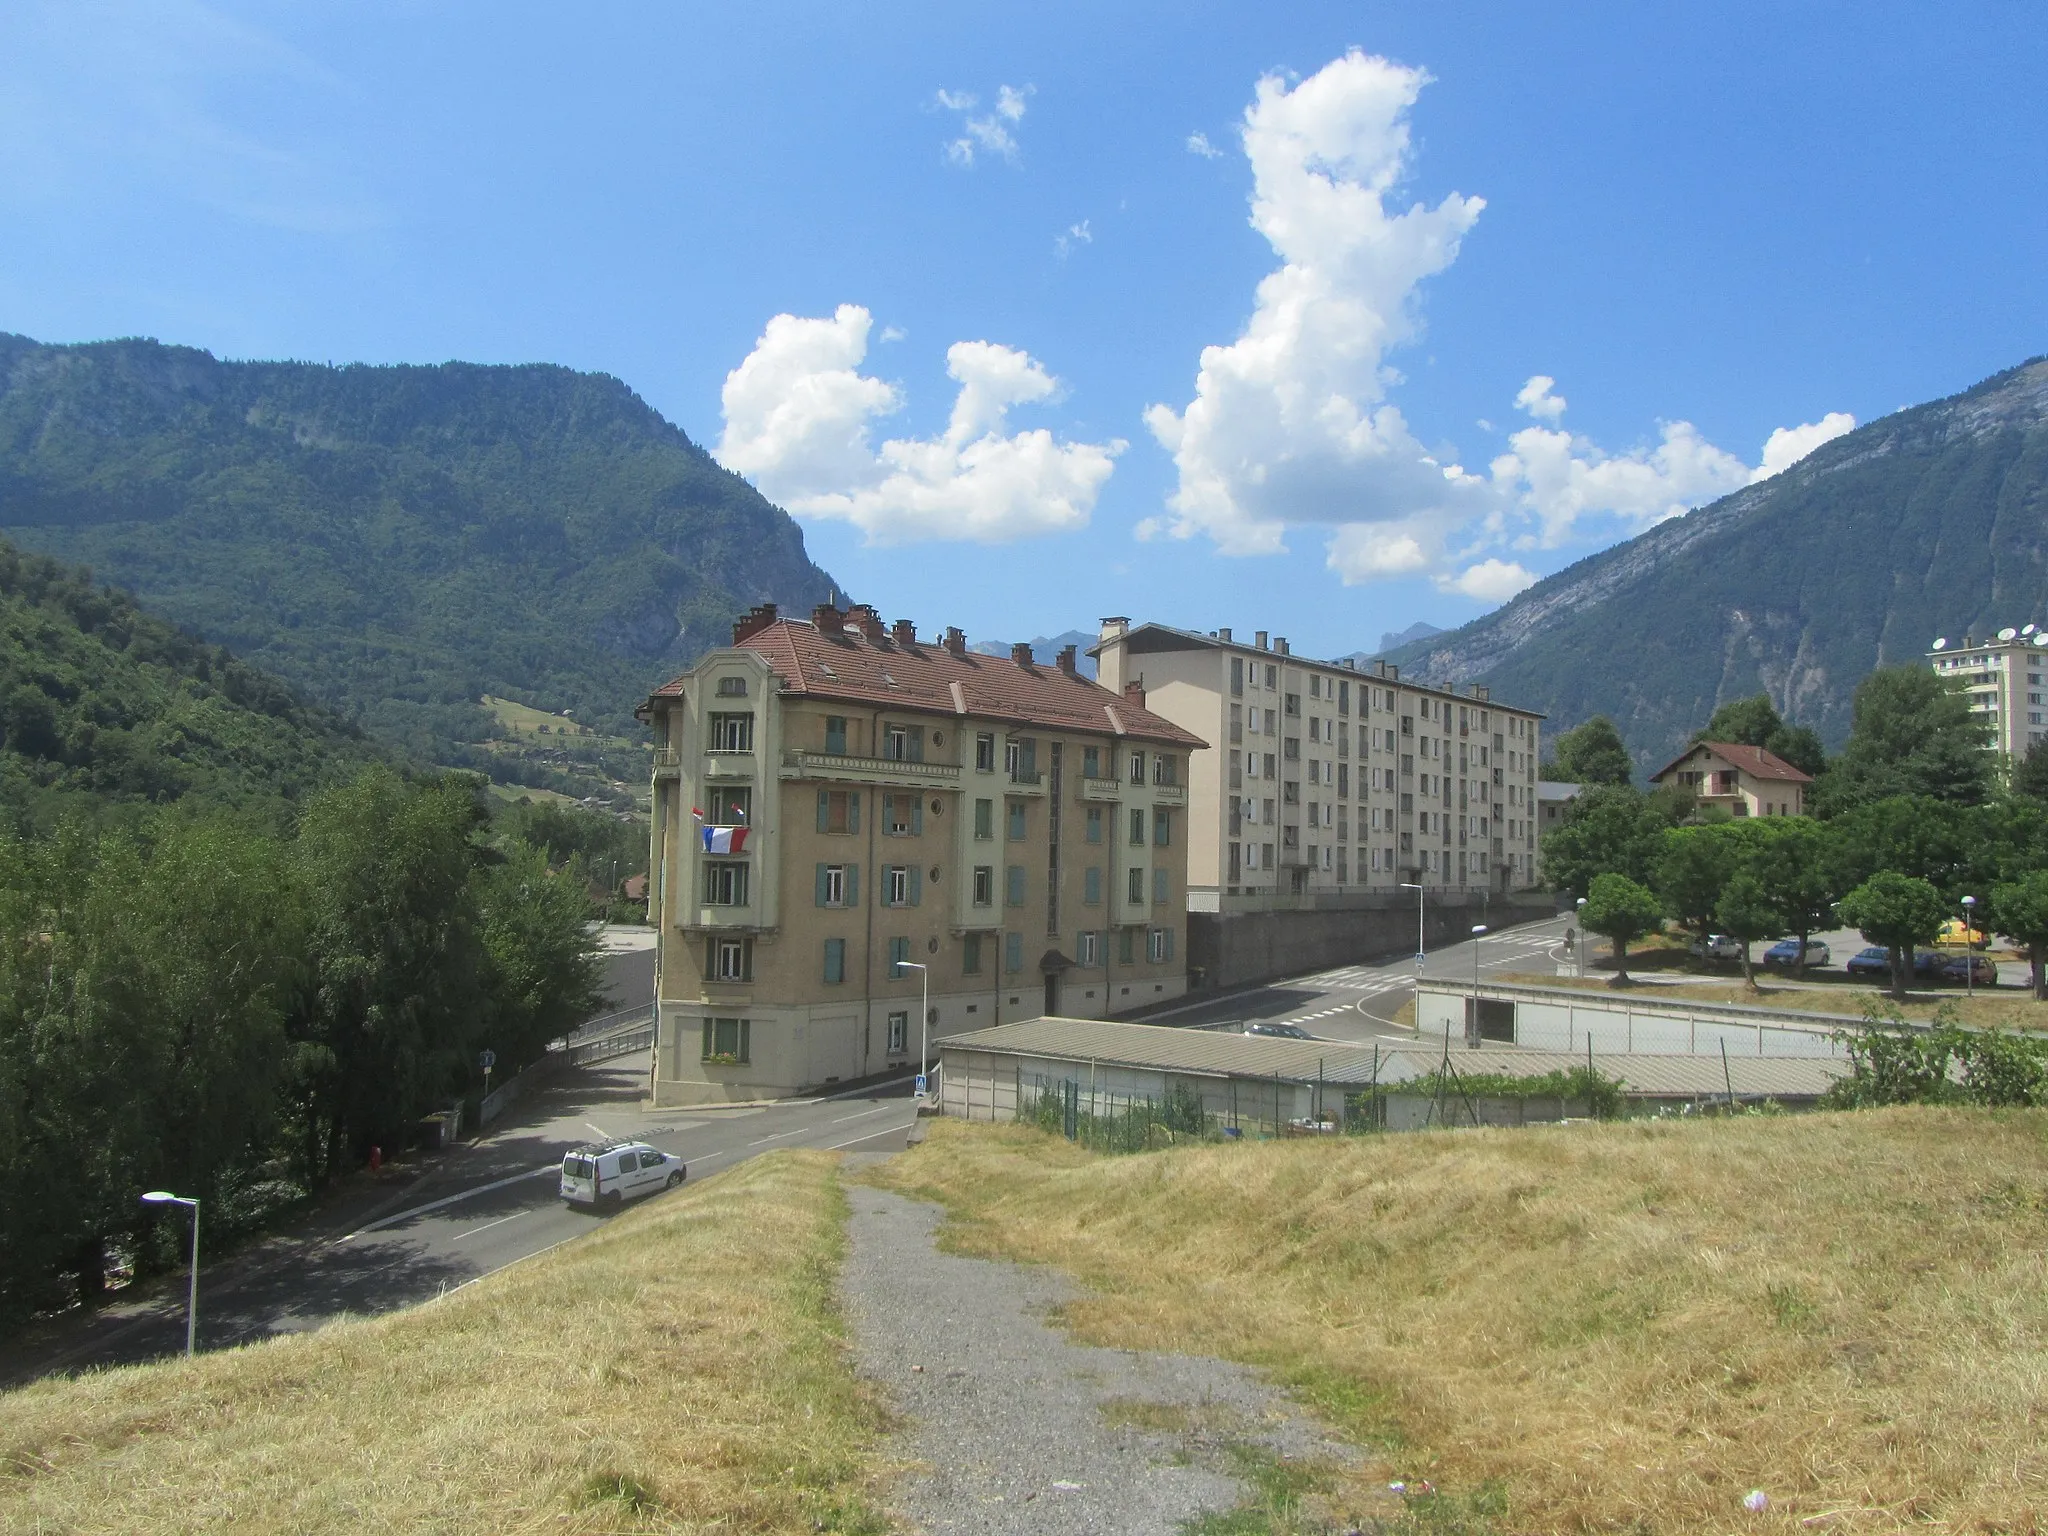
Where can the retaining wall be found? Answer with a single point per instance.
(1234, 949)
(1567, 1018)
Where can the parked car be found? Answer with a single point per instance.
(1978, 969)
(1928, 964)
(1279, 1031)
(1874, 961)
(605, 1177)
(1954, 934)
(1786, 952)
(1716, 946)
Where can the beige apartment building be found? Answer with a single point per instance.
(2002, 678)
(837, 802)
(1331, 777)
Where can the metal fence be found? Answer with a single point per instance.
(1127, 1122)
(620, 1042)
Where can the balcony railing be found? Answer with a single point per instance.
(868, 770)
(1169, 794)
(668, 760)
(1101, 789)
(730, 765)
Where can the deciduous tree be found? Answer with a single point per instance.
(1899, 912)
(1592, 753)
(1623, 911)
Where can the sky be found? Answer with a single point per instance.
(1320, 319)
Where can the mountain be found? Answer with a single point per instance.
(1931, 521)
(102, 704)
(1046, 648)
(1421, 629)
(396, 541)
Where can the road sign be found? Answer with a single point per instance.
(1421, 960)
(920, 1085)
(487, 1059)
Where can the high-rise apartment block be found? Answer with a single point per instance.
(1334, 776)
(847, 817)
(2002, 678)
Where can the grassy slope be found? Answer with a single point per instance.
(1628, 1326)
(679, 1368)
(1986, 1009)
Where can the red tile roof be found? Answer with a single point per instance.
(930, 677)
(1754, 761)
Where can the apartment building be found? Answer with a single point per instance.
(2002, 677)
(838, 803)
(1332, 777)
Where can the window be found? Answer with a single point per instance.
(732, 733)
(1162, 887)
(1252, 720)
(899, 1033)
(1237, 676)
(1013, 952)
(835, 961)
(1136, 886)
(835, 735)
(1094, 824)
(1159, 945)
(985, 752)
(1127, 946)
(985, 820)
(903, 743)
(838, 810)
(1091, 762)
(1162, 829)
(1290, 749)
(902, 815)
(1272, 678)
(732, 960)
(838, 885)
(900, 883)
(1137, 767)
(1165, 769)
(1016, 810)
(1344, 697)
(984, 885)
(1091, 885)
(725, 883)
(730, 804)
(1137, 829)
(970, 955)
(1013, 759)
(1088, 948)
(732, 687)
(1013, 885)
(899, 951)
(1293, 704)
(725, 1041)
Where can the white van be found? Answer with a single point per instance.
(606, 1177)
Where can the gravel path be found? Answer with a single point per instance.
(1019, 1429)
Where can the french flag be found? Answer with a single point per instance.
(724, 839)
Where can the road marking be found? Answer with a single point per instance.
(862, 1115)
(472, 1232)
(857, 1140)
(597, 1130)
(434, 1205)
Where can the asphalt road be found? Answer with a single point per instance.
(474, 1210)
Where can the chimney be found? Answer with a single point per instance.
(1068, 662)
(1259, 639)
(904, 633)
(1223, 635)
(757, 618)
(867, 621)
(1020, 653)
(1135, 692)
(1113, 627)
(829, 618)
(1280, 645)
(1349, 663)
(1478, 691)
(956, 641)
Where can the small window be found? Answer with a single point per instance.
(726, 1042)
(1162, 829)
(1088, 948)
(1091, 762)
(837, 884)
(899, 953)
(1137, 828)
(984, 885)
(896, 743)
(1272, 679)
(732, 687)
(1165, 769)
(732, 960)
(835, 961)
(1013, 952)
(1137, 767)
(985, 752)
(1126, 946)
(838, 810)
(1159, 945)
(1016, 809)
(1237, 676)
(725, 883)
(895, 885)
(1013, 883)
(835, 735)
(896, 814)
(732, 733)
(1137, 887)
(899, 1033)
(1091, 885)
(1162, 887)
(985, 820)
(970, 955)
(1093, 824)
(730, 805)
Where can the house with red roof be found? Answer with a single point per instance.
(1741, 780)
(866, 839)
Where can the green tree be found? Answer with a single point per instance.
(1755, 722)
(1899, 912)
(1912, 734)
(2020, 909)
(2030, 774)
(1692, 866)
(1792, 858)
(1746, 912)
(1622, 911)
(540, 961)
(1590, 754)
(1605, 831)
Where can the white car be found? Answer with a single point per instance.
(1716, 946)
(605, 1177)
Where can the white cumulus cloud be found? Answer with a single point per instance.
(1490, 581)
(797, 417)
(1290, 423)
(1788, 445)
(1198, 144)
(986, 133)
(1537, 399)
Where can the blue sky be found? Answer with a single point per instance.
(1002, 251)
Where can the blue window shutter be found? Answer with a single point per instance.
(853, 799)
(1091, 884)
(917, 817)
(1014, 880)
(824, 809)
(916, 885)
(853, 885)
(916, 743)
(835, 960)
(819, 895)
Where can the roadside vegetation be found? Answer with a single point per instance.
(679, 1369)
(1620, 1327)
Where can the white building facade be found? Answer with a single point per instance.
(2002, 678)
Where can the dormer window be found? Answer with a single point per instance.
(732, 688)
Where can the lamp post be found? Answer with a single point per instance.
(1472, 1026)
(1969, 950)
(1579, 943)
(164, 1197)
(1421, 949)
(924, 1014)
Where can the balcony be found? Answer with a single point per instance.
(1102, 789)
(668, 762)
(894, 772)
(730, 765)
(1169, 794)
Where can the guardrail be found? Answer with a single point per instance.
(621, 1042)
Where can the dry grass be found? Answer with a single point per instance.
(678, 1369)
(2008, 1009)
(524, 721)
(1627, 1326)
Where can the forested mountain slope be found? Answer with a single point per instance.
(396, 541)
(1932, 521)
(102, 705)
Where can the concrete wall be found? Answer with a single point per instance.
(1231, 949)
(1566, 1019)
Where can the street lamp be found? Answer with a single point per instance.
(1421, 949)
(924, 1015)
(1969, 952)
(164, 1197)
(1579, 941)
(1472, 1027)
